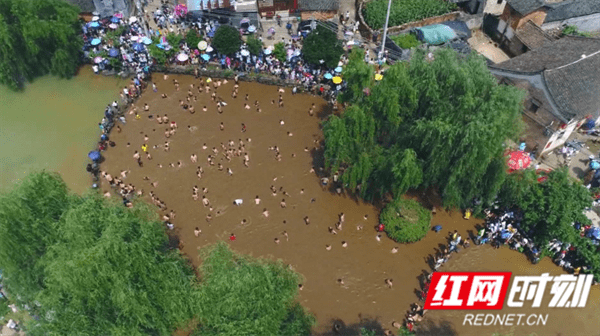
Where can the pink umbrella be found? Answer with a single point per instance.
(518, 160)
(97, 59)
(118, 15)
(181, 10)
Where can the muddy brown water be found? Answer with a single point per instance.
(363, 299)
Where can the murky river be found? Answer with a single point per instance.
(52, 125)
(362, 299)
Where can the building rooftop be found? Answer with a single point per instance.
(570, 9)
(318, 5)
(86, 6)
(533, 36)
(525, 7)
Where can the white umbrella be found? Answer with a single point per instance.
(134, 38)
(182, 57)
(202, 45)
(133, 19)
(244, 52)
(209, 49)
(113, 26)
(95, 18)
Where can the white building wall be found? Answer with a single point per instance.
(493, 7)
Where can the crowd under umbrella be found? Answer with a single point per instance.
(138, 47)
(94, 156)
(205, 57)
(338, 69)
(95, 18)
(95, 42)
(378, 77)
(115, 19)
(98, 59)
(244, 52)
(118, 15)
(251, 29)
(202, 45)
(113, 26)
(209, 49)
(271, 31)
(337, 80)
(132, 19)
(328, 76)
(113, 52)
(146, 40)
(267, 51)
(94, 24)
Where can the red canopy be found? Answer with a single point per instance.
(518, 160)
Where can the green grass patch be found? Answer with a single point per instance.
(406, 221)
(406, 41)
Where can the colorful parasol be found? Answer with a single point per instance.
(202, 45)
(518, 160)
(378, 77)
(337, 80)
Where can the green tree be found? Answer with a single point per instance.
(111, 273)
(406, 41)
(38, 38)
(245, 296)
(227, 40)
(279, 51)
(255, 45)
(192, 38)
(406, 221)
(28, 227)
(322, 44)
(358, 74)
(441, 123)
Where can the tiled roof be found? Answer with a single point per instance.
(553, 55)
(86, 6)
(318, 5)
(575, 87)
(525, 7)
(570, 9)
(532, 36)
(570, 68)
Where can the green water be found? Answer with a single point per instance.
(52, 125)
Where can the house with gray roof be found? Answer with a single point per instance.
(584, 14)
(565, 77)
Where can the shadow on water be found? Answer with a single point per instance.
(430, 328)
(338, 327)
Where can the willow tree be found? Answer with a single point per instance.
(37, 38)
(110, 272)
(28, 227)
(241, 295)
(437, 123)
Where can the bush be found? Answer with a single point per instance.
(279, 52)
(573, 30)
(192, 38)
(322, 44)
(406, 221)
(404, 11)
(254, 45)
(227, 40)
(406, 41)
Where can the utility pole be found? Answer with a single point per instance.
(387, 20)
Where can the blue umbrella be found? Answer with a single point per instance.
(205, 57)
(94, 155)
(595, 232)
(594, 164)
(328, 76)
(95, 41)
(113, 52)
(338, 69)
(161, 46)
(437, 228)
(505, 234)
(138, 47)
(94, 24)
(115, 20)
(267, 51)
(146, 41)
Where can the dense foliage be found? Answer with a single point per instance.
(88, 266)
(255, 45)
(246, 296)
(37, 38)
(279, 51)
(160, 55)
(550, 208)
(227, 40)
(406, 41)
(192, 38)
(405, 220)
(404, 11)
(322, 44)
(440, 123)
